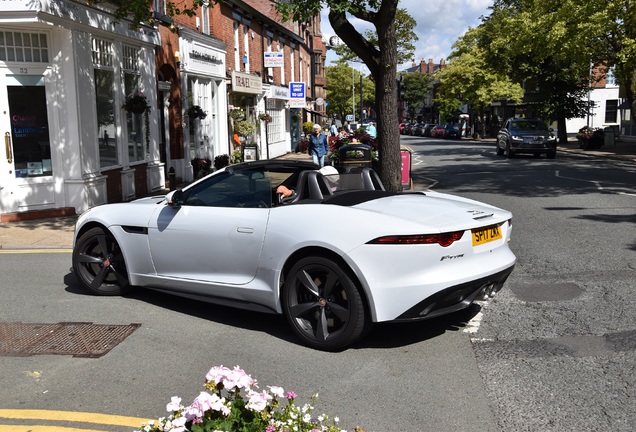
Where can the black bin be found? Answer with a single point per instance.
(355, 155)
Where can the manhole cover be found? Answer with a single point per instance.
(76, 339)
(546, 292)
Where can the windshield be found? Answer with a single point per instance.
(530, 125)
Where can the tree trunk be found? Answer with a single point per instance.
(563, 133)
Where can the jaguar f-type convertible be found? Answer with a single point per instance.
(337, 255)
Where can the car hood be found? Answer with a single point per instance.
(437, 210)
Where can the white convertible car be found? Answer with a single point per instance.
(337, 256)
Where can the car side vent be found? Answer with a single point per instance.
(483, 216)
(135, 230)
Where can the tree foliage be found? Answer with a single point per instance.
(404, 32)
(416, 91)
(343, 93)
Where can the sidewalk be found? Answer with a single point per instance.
(57, 233)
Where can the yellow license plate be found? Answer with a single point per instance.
(484, 235)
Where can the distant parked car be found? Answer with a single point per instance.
(402, 128)
(428, 127)
(452, 131)
(417, 129)
(526, 135)
(407, 129)
(438, 131)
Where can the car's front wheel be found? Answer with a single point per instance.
(500, 151)
(98, 263)
(323, 305)
(509, 153)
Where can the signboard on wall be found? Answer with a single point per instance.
(245, 83)
(273, 59)
(297, 95)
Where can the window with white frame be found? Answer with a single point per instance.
(281, 48)
(611, 111)
(276, 127)
(292, 61)
(23, 47)
(269, 50)
(246, 47)
(610, 78)
(205, 17)
(237, 54)
(160, 6)
(104, 82)
(135, 127)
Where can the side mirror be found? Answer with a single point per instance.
(175, 198)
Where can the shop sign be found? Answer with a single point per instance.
(246, 83)
(277, 92)
(297, 95)
(273, 59)
(204, 59)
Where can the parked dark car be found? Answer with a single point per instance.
(526, 135)
(428, 127)
(417, 129)
(452, 131)
(407, 129)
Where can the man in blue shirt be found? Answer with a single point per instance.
(318, 146)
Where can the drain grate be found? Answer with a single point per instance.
(76, 339)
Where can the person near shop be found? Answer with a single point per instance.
(318, 146)
(371, 130)
(334, 129)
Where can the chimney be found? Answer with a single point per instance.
(430, 67)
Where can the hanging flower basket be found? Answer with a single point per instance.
(244, 128)
(196, 112)
(136, 103)
(237, 114)
(265, 117)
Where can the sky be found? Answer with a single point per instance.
(439, 24)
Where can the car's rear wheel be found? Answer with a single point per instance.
(323, 305)
(98, 263)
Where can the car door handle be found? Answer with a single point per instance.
(245, 230)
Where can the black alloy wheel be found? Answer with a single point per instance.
(508, 151)
(323, 305)
(98, 263)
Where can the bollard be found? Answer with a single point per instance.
(172, 179)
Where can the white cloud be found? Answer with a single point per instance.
(439, 24)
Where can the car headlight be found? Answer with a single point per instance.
(516, 138)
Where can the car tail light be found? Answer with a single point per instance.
(443, 239)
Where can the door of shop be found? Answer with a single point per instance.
(26, 171)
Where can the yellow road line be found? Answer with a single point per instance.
(34, 251)
(35, 428)
(83, 417)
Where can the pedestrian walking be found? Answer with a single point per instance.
(318, 146)
(334, 129)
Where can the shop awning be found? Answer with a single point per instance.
(315, 112)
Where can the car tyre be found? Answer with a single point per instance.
(508, 152)
(500, 151)
(323, 304)
(98, 263)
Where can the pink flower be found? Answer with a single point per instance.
(277, 391)
(217, 374)
(174, 405)
(258, 401)
(291, 395)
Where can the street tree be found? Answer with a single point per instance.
(343, 93)
(416, 88)
(468, 78)
(380, 58)
(405, 38)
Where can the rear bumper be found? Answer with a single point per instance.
(457, 297)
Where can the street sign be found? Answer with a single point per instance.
(320, 101)
(297, 95)
(349, 117)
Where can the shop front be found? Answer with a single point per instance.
(204, 88)
(245, 97)
(275, 133)
(65, 72)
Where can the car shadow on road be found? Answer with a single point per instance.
(382, 335)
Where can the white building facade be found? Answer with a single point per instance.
(66, 70)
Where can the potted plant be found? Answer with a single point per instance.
(137, 103)
(244, 128)
(237, 114)
(221, 161)
(196, 112)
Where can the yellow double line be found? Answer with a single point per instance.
(34, 251)
(43, 416)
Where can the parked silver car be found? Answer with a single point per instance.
(526, 135)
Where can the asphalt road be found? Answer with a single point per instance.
(554, 351)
